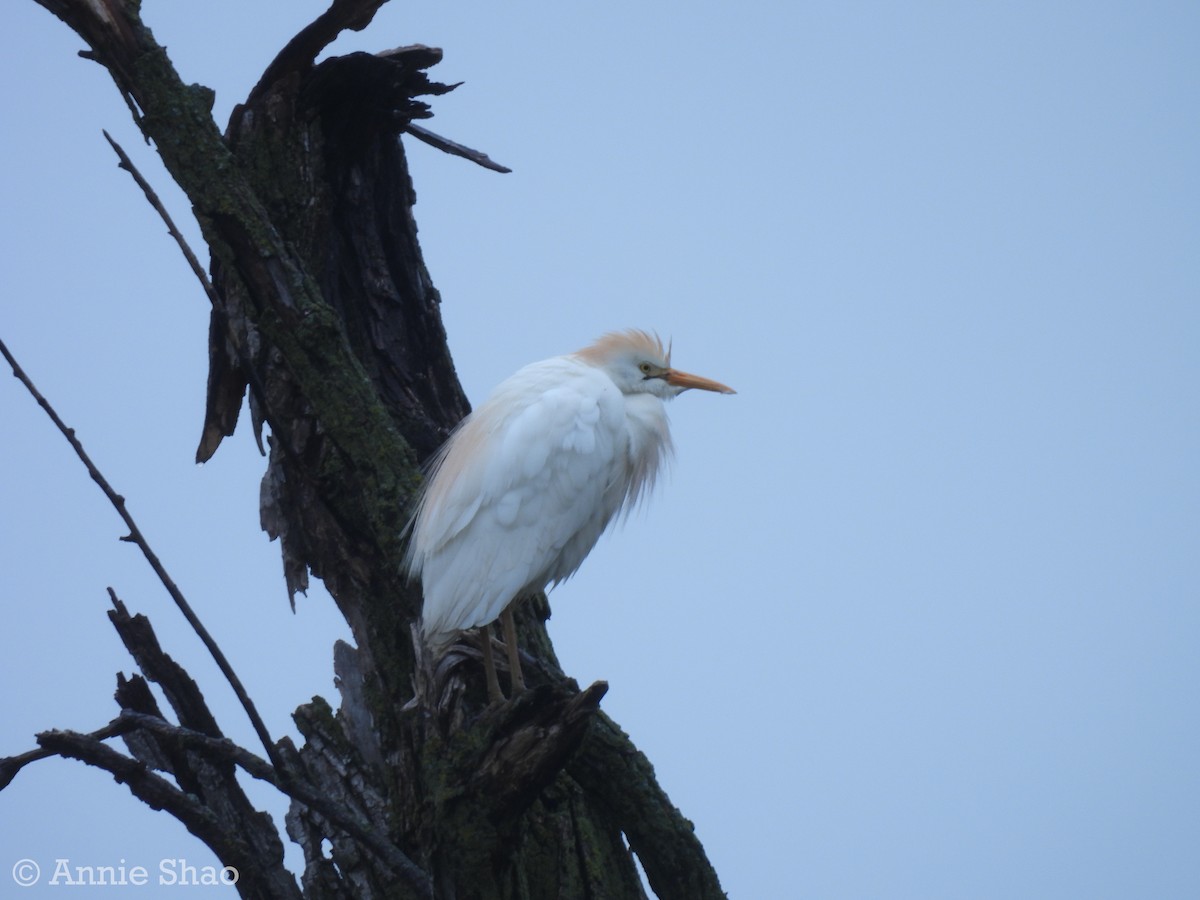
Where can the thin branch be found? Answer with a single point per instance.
(135, 536)
(198, 270)
(152, 789)
(10, 766)
(454, 148)
(91, 56)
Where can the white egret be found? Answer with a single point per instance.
(526, 484)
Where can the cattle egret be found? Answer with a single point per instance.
(526, 484)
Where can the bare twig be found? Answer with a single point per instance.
(11, 765)
(452, 147)
(135, 536)
(193, 262)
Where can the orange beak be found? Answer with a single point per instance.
(686, 380)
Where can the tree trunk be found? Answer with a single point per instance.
(324, 310)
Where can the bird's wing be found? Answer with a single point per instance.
(520, 493)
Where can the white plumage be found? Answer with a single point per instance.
(528, 482)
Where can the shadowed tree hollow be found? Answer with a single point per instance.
(325, 318)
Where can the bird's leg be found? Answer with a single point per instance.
(510, 644)
(489, 665)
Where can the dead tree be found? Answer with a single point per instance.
(323, 313)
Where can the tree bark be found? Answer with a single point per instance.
(326, 316)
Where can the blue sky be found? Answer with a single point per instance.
(916, 614)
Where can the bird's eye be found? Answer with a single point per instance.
(646, 368)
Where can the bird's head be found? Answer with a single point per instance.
(638, 364)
